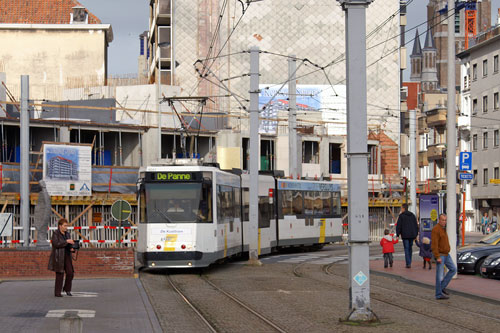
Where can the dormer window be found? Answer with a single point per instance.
(79, 16)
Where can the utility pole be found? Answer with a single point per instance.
(254, 157)
(357, 160)
(25, 160)
(292, 118)
(451, 140)
(413, 161)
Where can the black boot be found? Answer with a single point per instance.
(424, 264)
(430, 265)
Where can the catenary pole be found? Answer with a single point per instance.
(292, 118)
(451, 140)
(25, 162)
(357, 160)
(413, 161)
(254, 156)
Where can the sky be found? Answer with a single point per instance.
(130, 18)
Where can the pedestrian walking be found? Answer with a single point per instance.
(484, 222)
(387, 243)
(494, 222)
(407, 228)
(60, 258)
(441, 249)
(425, 250)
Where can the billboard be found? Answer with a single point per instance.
(429, 211)
(67, 169)
(327, 102)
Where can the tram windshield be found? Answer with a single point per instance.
(178, 203)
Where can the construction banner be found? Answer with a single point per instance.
(67, 169)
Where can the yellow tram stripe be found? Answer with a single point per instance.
(258, 247)
(322, 230)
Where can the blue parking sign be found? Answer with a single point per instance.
(465, 161)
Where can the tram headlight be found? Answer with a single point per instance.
(153, 264)
(190, 264)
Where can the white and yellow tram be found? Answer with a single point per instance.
(195, 215)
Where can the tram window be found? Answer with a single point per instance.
(326, 197)
(318, 204)
(298, 204)
(225, 204)
(264, 212)
(337, 207)
(246, 204)
(309, 203)
(142, 205)
(173, 202)
(237, 203)
(287, 202)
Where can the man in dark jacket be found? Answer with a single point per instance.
(407, 228)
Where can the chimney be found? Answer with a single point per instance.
(79, 15)
(498, 16)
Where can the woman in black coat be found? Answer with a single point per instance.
(60, 258)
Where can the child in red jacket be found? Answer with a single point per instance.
(387, 244)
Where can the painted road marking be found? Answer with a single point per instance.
(61, 313)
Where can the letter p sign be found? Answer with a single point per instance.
(465, 161)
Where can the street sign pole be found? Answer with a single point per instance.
(464, 182)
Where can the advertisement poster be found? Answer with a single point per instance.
(327, 101)
(429, 208)
(67, 169)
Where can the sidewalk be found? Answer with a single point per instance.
(465, 284)
(107, 305)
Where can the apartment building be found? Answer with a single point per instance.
(480, 90)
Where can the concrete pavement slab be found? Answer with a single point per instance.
(120, 305)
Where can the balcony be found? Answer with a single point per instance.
(435, 152)
(436, 118)
(422, 159)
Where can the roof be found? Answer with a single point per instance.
(417, 49)
(429, 40)
(40, 11)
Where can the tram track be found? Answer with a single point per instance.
(297, 271)
(204, 315)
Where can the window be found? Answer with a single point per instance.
(457, 22)
(474, 106)
(495, 101)
(474, 142)
(496, 138)
(496, 174)
(474, 72)
(485, 104)
(495, 64)
(485, 140)
(474, 180)
(485, 67)
(485, 176)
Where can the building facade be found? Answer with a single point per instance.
(62, 44)
(481, 89)
(215, 36)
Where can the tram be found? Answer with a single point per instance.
(193, 215)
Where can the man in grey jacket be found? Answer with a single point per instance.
(407, 228)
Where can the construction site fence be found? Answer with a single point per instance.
(108, 233)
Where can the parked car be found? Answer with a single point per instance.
(470, 258)
(491, 239)
(491, 266)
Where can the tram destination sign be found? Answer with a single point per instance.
(168, 176)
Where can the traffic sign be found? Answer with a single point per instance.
(465, 161)
(120, 210)
(465, 176)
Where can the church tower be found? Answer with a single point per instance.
(429, 69)
(416, 60)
